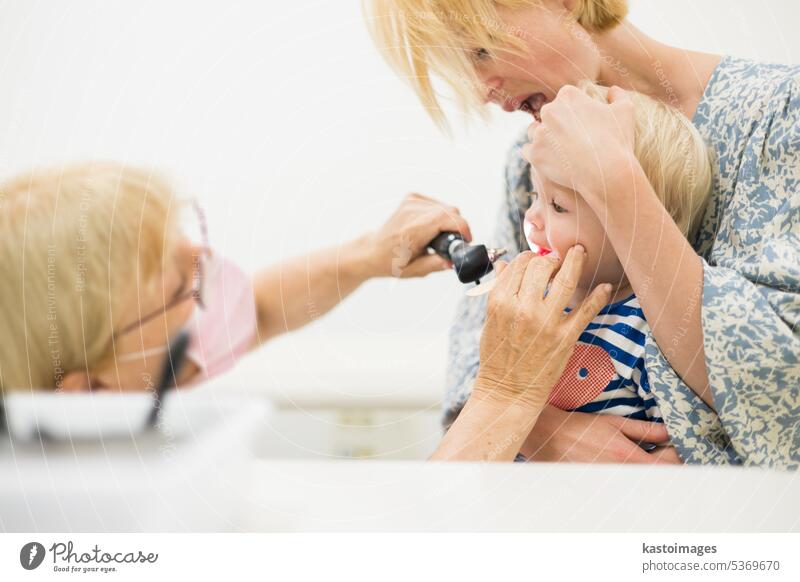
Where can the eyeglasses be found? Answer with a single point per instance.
(178, 346)
(197, 291)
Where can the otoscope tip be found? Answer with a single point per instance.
(495, 254)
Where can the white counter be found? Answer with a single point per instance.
(418, 496)
(250, 468)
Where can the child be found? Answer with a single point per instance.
(606, 373)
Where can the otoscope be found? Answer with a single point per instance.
(470, 262)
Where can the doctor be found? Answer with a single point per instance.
(99, 277)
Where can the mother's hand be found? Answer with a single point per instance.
(580, 437)
(581, 142)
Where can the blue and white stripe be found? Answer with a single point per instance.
(620, 329)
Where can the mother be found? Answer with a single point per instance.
(725, 360)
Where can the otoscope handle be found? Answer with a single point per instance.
(441, 244)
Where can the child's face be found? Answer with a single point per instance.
(560, 218)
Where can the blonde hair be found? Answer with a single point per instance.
(425, 38)
(75, 244)
(673, 155)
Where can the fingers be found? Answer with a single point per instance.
(642, 431)
(635, 454)
(436, 217)
(527, 152)
(448, 224)
(424, 265)
(454, 221)
(503, 274)
(632, 453)
(422, 197)
(616, 94)
(433, 220)
(513, 279)
(532, 128)
(579, 318)
(444, 219)
(620, 102)
(537, 138)
(566, 281)
(538, 274)
(666, 456)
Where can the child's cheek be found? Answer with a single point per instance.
(589, 277)
(563, 237)
(561, 245)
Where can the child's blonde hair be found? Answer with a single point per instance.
(76, 244)
(673, 155)
(426, 38)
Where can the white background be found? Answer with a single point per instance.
(284, 119)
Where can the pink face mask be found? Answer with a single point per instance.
(225, 327)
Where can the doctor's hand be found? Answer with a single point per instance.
(526, 342)
(527, 339)
(399, 247)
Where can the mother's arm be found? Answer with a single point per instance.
(737, 317)
(665, 272)
(727, 331)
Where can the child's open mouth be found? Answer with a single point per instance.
(539, 251)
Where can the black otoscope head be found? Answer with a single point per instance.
(470, 262)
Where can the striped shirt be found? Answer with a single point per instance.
(606, 372)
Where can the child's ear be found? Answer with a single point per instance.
(79, 381)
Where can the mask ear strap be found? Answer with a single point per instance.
(143, 354)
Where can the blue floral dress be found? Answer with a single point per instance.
(749, 244)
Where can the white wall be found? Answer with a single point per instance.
(284, 119)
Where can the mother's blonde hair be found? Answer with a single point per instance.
(76, 244)
(426, 38)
